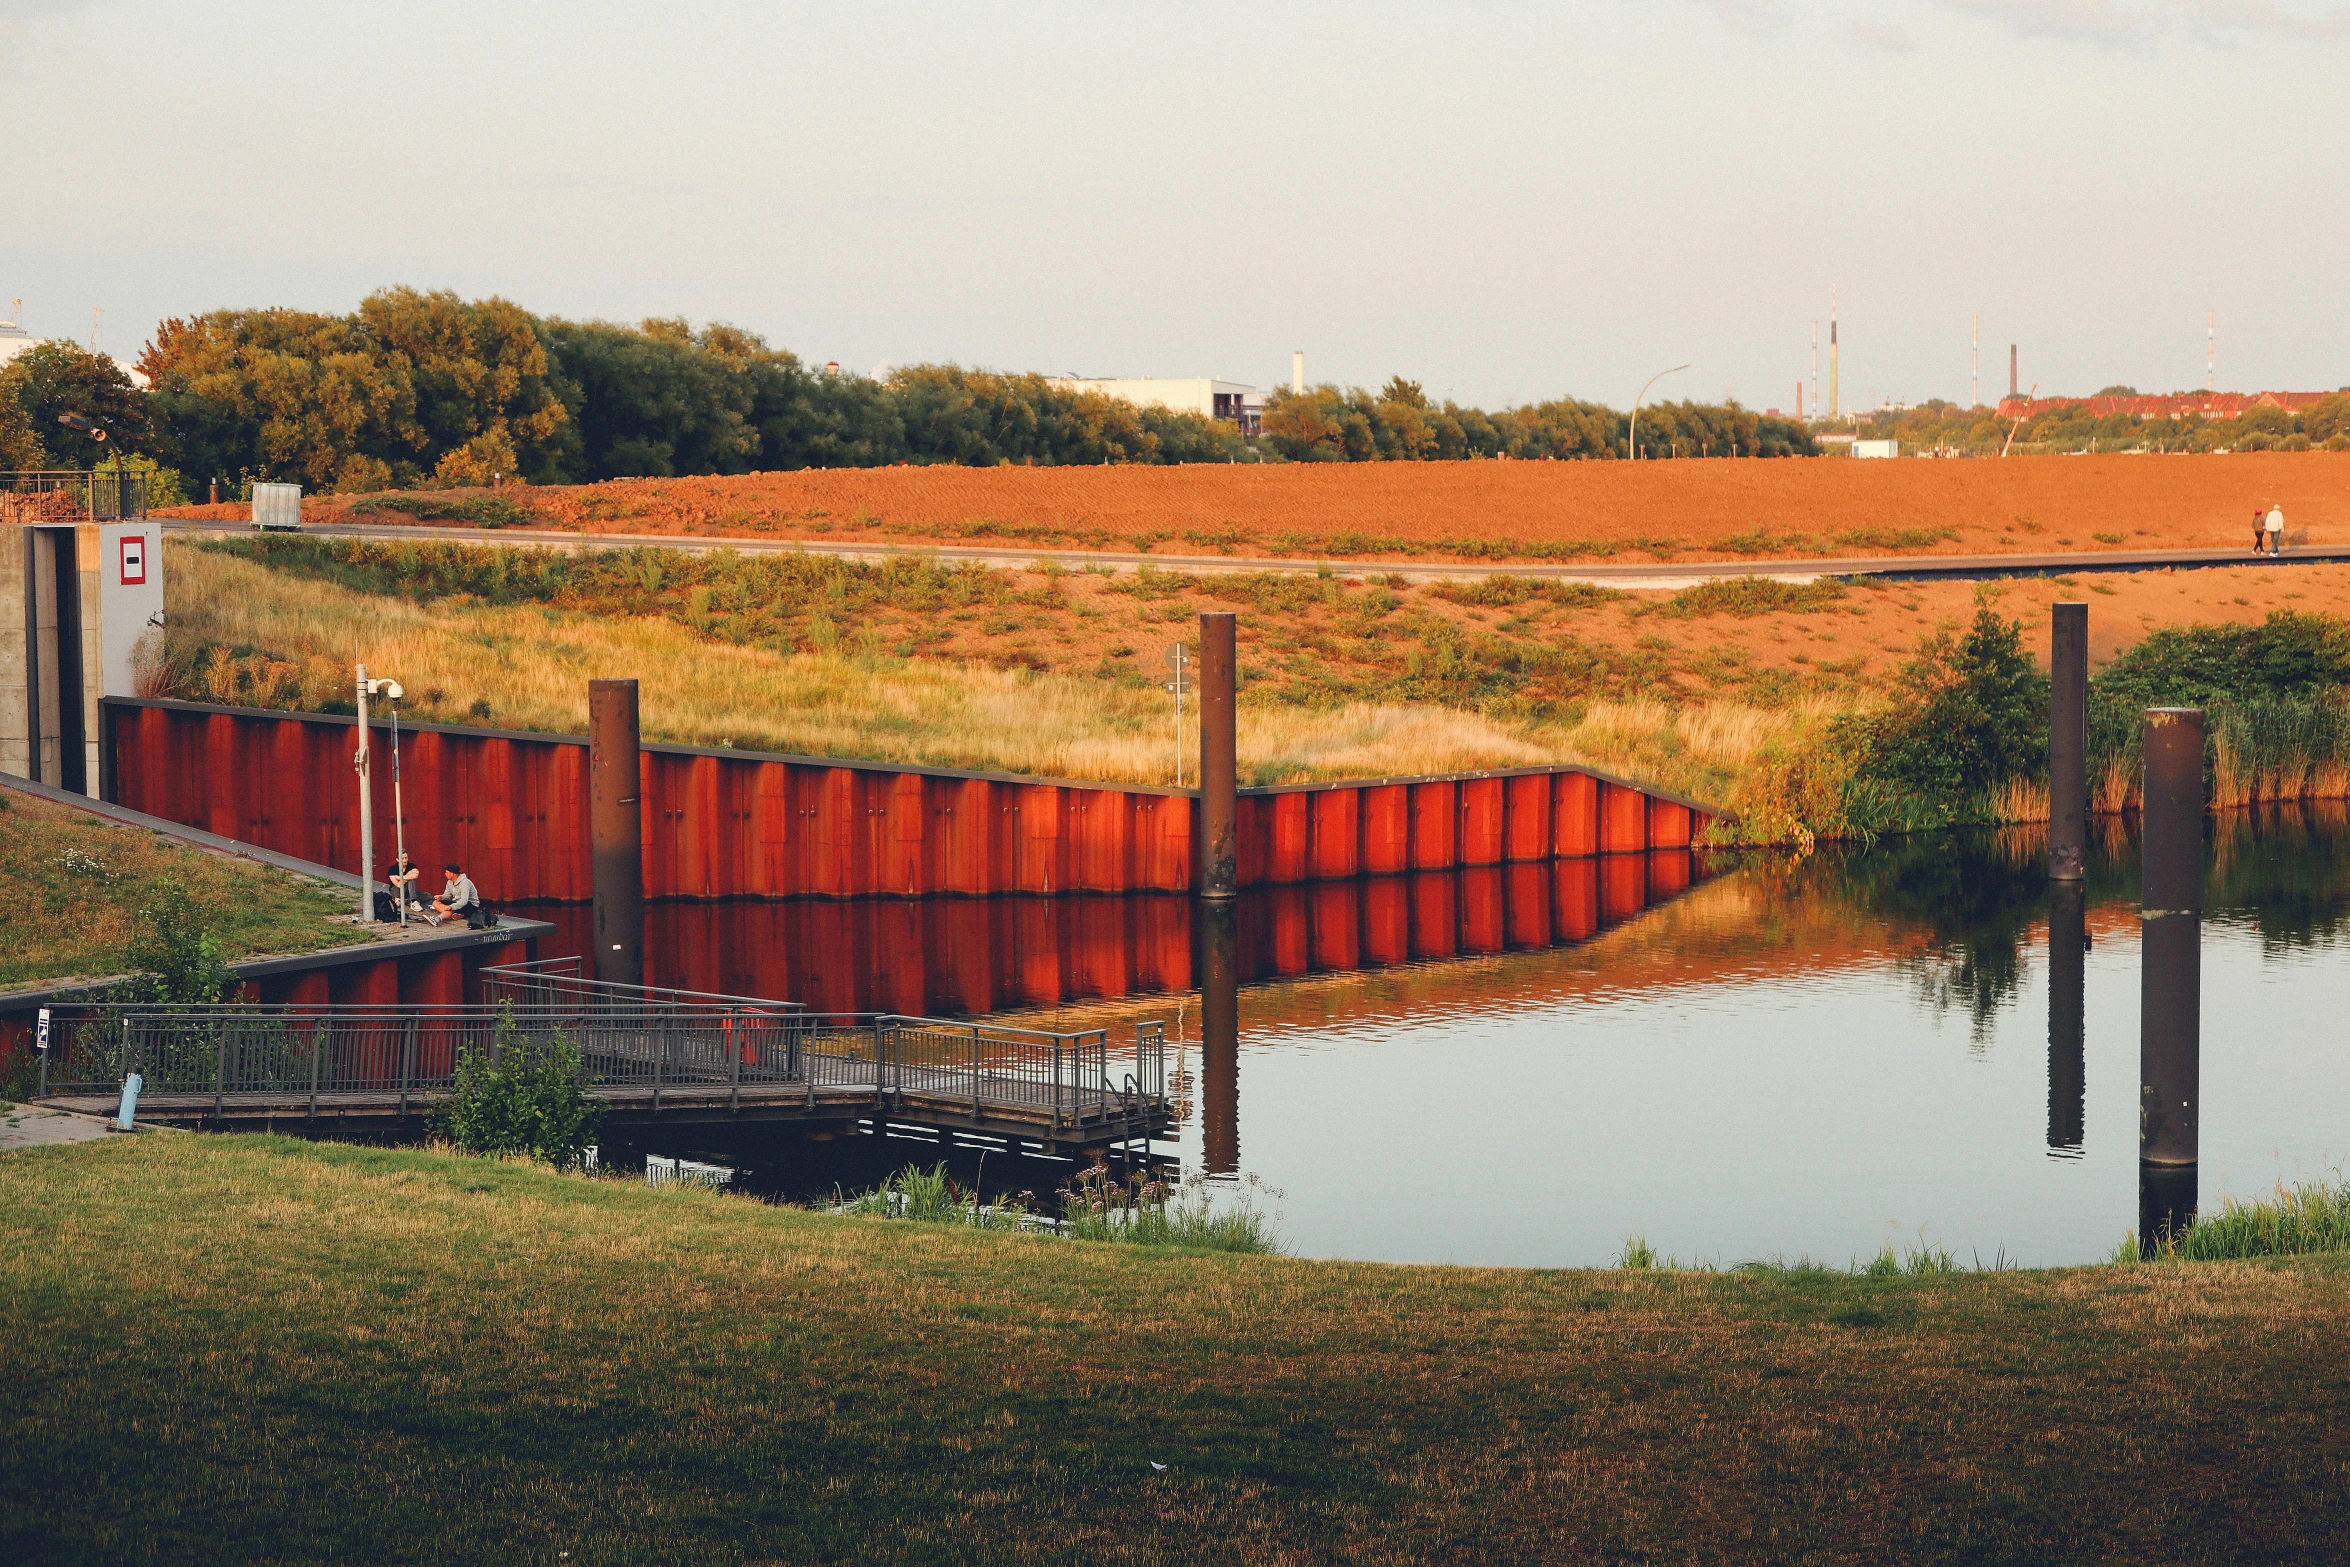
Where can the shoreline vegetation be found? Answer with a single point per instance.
(481, 1358)
(1041, 672)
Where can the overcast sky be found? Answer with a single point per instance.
(1506, 201)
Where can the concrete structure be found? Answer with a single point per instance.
(75, 600)
(14, 339)
(1205, 396)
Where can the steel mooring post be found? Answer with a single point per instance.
(2170, 973)
(1219, 680)
(2068, 946)
(616, 830)
(2068, 740)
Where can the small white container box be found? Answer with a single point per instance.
(1859, 449)
(277, 506)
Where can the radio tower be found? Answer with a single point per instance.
(1815, 368)
(2211, 351)
(1974, 371)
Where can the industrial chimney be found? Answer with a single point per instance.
(1297, 372)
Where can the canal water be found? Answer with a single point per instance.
(1733, 1057)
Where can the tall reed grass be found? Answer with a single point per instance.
(2294, 1221)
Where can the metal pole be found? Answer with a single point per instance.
(616, 830)
(359, 761)
(1219, 1036)
(1218, 755)
(2068, 945)
(399, 826)
(1632, 432)
(2068, 740)
(2171, 959)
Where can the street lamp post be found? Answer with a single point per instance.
(1632, 435)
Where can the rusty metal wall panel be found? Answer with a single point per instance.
(1386, 828)
(1526, 817)
(1434, 818)
(1623, 820)
(1334, 832)
(1286, 841)
(1574, 815)
(1481, 821)
(1670, 824)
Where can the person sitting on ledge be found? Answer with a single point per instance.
(459, 898)
(401, 885)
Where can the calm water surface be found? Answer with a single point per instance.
(1737, 1059)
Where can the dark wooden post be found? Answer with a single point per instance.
(2068, 740)
(1219, 1035)
(1218, 757)
(2068, 945)
(2171, 956)
(616, 830)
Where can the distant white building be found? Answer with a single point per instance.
(1876, 448)
(15, 340)
(1205, 396)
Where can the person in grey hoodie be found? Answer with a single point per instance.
(458, 895)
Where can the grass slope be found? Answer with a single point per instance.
(255, 1350)
(74, 884)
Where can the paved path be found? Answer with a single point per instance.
(29, 1126)
(1644, 574)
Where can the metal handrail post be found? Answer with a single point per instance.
(220, 1047)
(408, 1063)
(1056, 1085)
(320, 1028)
(734, 1067)
(975, 1071)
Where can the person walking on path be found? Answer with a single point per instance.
(2276, 530)
(2259, 527)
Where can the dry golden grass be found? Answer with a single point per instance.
(527, 667)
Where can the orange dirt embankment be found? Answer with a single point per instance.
(1784, 508)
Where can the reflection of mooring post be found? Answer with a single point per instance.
(1219, 872)
(2170, 971)
(2068, 739)
(2068, 943)
(616, 830)
(1219, 1035)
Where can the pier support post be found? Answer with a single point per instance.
(1219, 1034)
(2170, 970)
(616, 830)
(2068, 740)
(1219, 682)
(2068, 946)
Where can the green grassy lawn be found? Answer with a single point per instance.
(256, 1350)
(74, 883)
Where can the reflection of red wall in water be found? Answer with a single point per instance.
(971, 955)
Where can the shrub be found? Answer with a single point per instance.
(1140, 1211)
(1971, 714)
(173, 956)
(525, 1095)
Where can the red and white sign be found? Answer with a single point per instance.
(134, 559)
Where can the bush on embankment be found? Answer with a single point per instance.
(1962, 736)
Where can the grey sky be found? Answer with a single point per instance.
(1506, 201)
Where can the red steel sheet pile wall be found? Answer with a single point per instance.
(512, 808)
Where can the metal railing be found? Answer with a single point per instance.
(73, 495)
(633, 1042)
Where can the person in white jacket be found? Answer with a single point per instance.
(2276, 529)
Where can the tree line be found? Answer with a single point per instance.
(424, 389)
(1980, 431)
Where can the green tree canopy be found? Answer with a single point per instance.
(61, 378)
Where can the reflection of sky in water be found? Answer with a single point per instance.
(1761, 1110)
